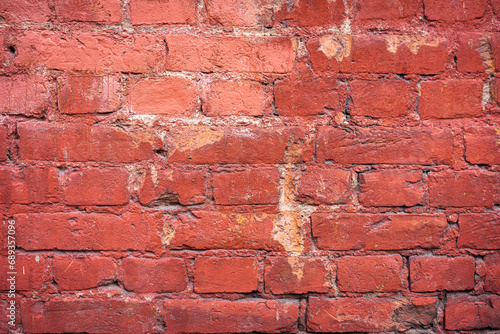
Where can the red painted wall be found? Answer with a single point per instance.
(227, 166)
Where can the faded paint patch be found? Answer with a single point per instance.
(335, 46)
(297, 265)
(414, 43)
(287, 230)
(196, 138)
(167, 235)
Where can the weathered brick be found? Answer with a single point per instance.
(240, 13)
(463, 312)
(24, 11)
(462, 189)
(436, 273)
(303, 94)
(218, 230)
(171, 186)
(479, 231)
(79, 142)
(80, 231)
(251, 186)
(451, 99)
(325, 186)
(3, 143)
(306, 13)
(205, 145)
(399, 54)
(105, 51)
(171, 96)
(6, 182)
(234, 98)
(473, 53)
(92, 315)
(222, 316)
(369, 314)
(377, 232)
(105, 11)
(385, 145)
(481, 145)
(24, 95)
(385, 10)
(80, 273)
(151, 275)
(370, 273)
(33, 272)
(225, 274)
(168, 12)
(492, 279)
(36, 185)
(96, 186)
(381, 98)
(230, 54)
(88, 94)
(391, 188)
(449, 10)
(297, 275)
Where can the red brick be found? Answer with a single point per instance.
(222, 316)
(24, 11)
(399, 54)
(3, 143)
(377, 232)
(451, 99)
(80, 273)
(251, 186)
(462, 189)
(88, 94)
(481, 145)
(240, 13)
(269, 54)
(381, 98)
(370, 273)
(473, 53)
(96, 186)
(235, 98)
(494, 39)
(151, 275)
(464, 312)
(385, 145)
(479, 231)
(80, 231)
(436, 273)
(93, 315)
(216, 230)
(391, 188)
(171, 96)
(105, 51)
(303, 94)
(205, 145)
(172, 186)
(296, 275)
(105, 11)
(24, 95)
(37, 185)
(305, 13)
(450, 10)
(78, 142)
(369, 314)
(386, 10)
(169, 12)
(225, 274)
(6, 189)
(33, 272)
(325, 186)
(492, 279)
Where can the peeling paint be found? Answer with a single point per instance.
(168, 234)
(287, 231)
(414, 43)
(335, 46)
(297, 265)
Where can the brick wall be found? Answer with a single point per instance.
(227, 166)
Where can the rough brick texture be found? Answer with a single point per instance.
(250, 166)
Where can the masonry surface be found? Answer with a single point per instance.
(257, 166)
